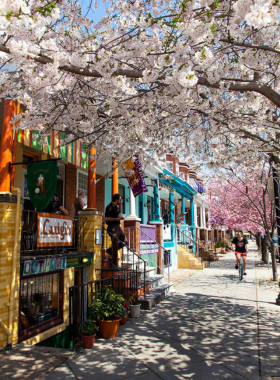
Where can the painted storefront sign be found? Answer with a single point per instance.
(43, 265)
(54, 230)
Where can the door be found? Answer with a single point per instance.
(80, 298)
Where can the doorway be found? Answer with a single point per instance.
(80, 298)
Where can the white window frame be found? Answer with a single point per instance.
(181, 175)
(24, 173)
(169, 166)
(86, 174)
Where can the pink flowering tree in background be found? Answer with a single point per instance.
(239, 200)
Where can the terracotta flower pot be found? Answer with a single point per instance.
(124, 319)
(109, 329)
(88, 340)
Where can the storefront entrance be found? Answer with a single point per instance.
(80, 309)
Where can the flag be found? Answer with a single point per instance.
(134, 174)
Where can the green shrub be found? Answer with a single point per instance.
(106, 305)
(218, 244)
(223, 244)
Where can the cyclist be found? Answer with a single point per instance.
(240, 245)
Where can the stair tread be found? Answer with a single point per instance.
(155, 291)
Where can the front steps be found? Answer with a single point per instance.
(187, 260)
(156, 288)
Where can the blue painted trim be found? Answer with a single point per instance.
(171, 207)
(182, 187)
(156, 204)
(169, 244)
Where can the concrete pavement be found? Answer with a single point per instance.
(212, 327)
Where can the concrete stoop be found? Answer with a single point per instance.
(155, 296)
(156, 288)
(187, 260)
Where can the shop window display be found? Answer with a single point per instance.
(39, 300)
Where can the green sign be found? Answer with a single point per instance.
(41, 183)
(73, 262)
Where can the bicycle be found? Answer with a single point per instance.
(240, 268)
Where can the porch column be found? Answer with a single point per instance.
(144, 199)
(184, 209)
(192, 211)
(6, 146)
(91, 179)
(132, 207)
(195, 213)
(115, 179)
(171, 206)
(201, 216)
(192, 226)
(156, 216)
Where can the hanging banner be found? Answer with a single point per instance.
(41, 183)
(134, 174)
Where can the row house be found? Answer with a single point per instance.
(50, 280)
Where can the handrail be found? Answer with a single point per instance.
(130, 250)
(159, 245)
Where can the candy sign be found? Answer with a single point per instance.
(54, 230)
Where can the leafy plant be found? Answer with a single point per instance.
(106, 304)
(218, 244)
(223, 244)
(88, 328)
(132, 298)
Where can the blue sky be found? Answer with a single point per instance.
(94, 15)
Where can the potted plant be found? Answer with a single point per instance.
(107, 307)
(134, 305)
(88, 329)
(223, 246)
(218, 244)
(125, 314)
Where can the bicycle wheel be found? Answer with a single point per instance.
(240, 270)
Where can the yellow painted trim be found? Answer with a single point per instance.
(46, 334)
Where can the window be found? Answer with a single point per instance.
(122, 194)
(169, 166)
(167, 258)
(40, 303)
(181, 175)
(82, 183)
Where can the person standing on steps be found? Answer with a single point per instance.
(113, 219)
(240, 245)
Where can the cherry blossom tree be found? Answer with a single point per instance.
(199, 78)
(240, 201)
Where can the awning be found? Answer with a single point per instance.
(178, 184)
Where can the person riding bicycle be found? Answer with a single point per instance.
(240, 245)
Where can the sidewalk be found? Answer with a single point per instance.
(212, 327)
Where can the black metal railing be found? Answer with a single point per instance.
(124, 259)
(29, 233)
(81, 297)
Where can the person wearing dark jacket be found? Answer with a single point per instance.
(55, 206)
(113, 219)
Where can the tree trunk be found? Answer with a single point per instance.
(258, 240)
(273, 259)
(264, 248)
